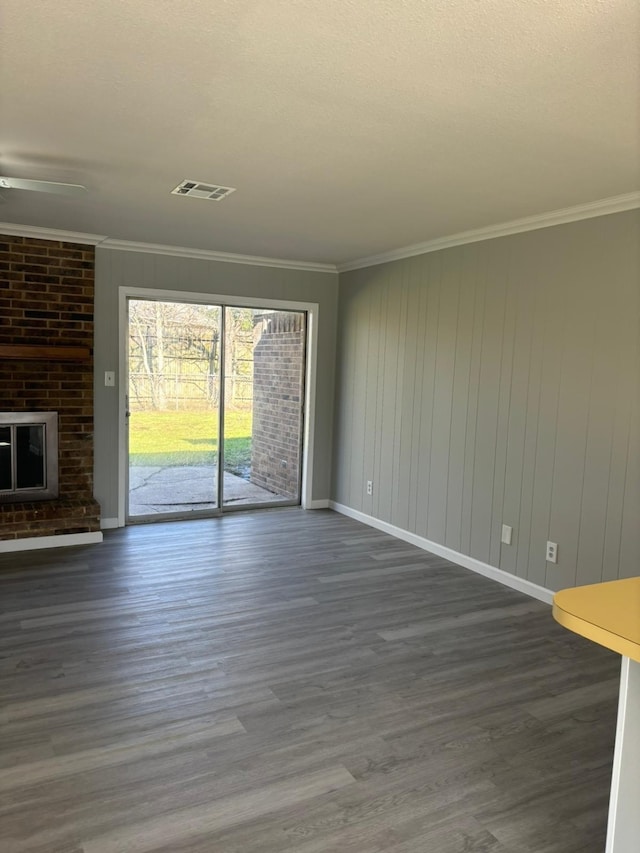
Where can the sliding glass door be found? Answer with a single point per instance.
(173, 405)
(215, 402)
(264, 362)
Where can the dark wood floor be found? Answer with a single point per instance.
(291, 681)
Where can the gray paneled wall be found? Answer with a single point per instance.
(495, 383)
(163, 272)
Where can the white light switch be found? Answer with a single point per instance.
(110, 378)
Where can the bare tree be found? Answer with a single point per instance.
(173, 347)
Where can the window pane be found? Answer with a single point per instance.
(5, 458)
(264, 394)
(174, 391)
(30, 465)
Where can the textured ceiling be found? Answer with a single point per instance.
(348, 127)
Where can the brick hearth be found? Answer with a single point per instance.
(46, 298)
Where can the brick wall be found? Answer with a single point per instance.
(278, 370)
(46, 297)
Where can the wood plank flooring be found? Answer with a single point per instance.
(290, 681)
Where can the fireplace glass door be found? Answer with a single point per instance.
(6, 463)
(28, 456)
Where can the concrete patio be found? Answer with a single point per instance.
(185, 488)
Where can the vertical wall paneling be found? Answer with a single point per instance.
(524, 285)
(389, 372)
(487, 415)
(446, 334)
(498, 382)
(629, 544)
(553, 329)
(379, 446)
(504, 407)
(625, 463)
(372, 315)
(421, 292)
(403, 481)
(478, 273)
(526, 484)
(399, 482)
(343, 415)
(432, 283)
(357, 368)
(459, 403)
(346, 413)
(572, 419)
(607, 344)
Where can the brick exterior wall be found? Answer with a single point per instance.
(46, 298)
(278, 369)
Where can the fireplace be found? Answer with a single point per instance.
(28, 456)
(46, 367)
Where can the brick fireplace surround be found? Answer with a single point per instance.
(46, 299)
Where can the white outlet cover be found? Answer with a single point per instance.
(506, 534)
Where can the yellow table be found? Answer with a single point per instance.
(609, 614)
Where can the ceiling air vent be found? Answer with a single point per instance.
(195, 189)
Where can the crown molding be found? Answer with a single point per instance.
(615, 204)
(13, 230)
(210, 255)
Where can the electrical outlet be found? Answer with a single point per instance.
(552, 552)
(506, 534)
(110, 378)
(369, 487)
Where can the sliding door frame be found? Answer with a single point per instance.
(310, 370)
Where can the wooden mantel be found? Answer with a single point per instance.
(45, 353)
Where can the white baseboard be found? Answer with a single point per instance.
(33, 543)
(321, 504)
(109, 523)
(505, 578)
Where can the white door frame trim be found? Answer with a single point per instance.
(313, 312)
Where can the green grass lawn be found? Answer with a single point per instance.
(189, 438)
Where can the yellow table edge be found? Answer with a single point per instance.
(566, 611)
